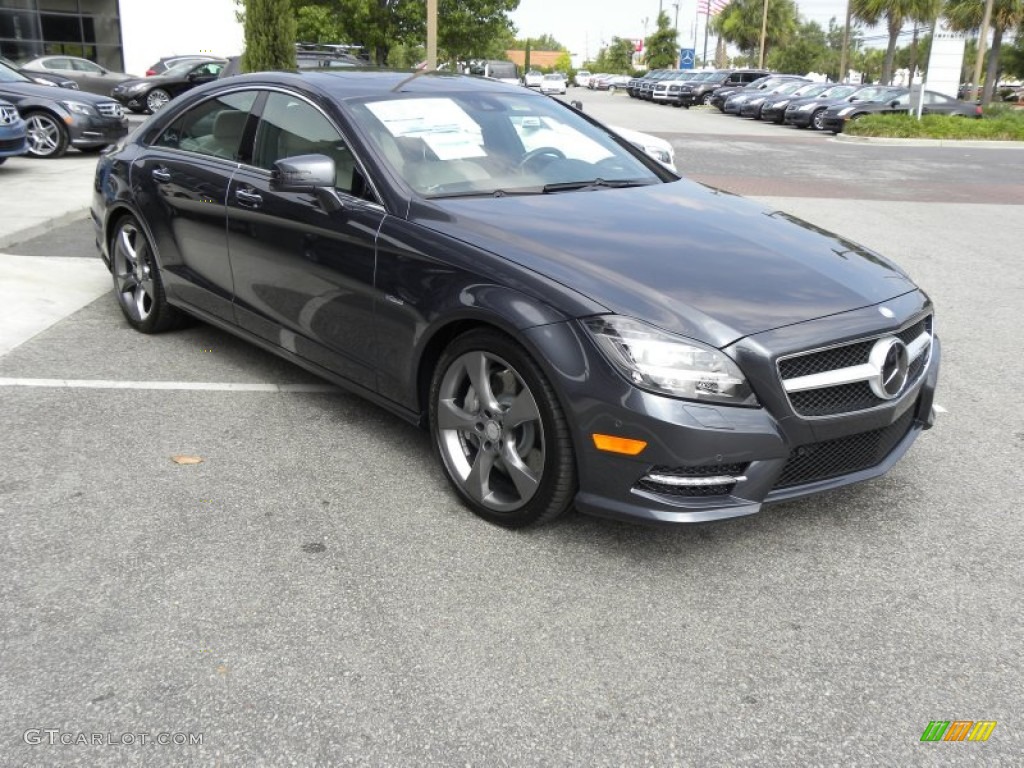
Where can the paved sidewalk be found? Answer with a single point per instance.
(38, 195)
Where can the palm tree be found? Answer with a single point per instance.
(966, 16)
(895, 13)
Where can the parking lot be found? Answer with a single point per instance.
(312, 593)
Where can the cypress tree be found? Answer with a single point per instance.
(269, 35)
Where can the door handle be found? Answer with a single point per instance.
(161, 175)
(248, 198)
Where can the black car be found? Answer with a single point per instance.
(149, 94)
(903, 102)
(752, 107)
(701, 91)
(57, 118)
(722, 94)
(773, 108)
(758, 90)
(166, 62)
(809, 111)
(635, 84)
(686, 356)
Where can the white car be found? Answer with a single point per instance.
(582, 78)
(657, 148)
(553, 84)
(533, 79)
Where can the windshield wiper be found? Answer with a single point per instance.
(569, 186)
(489, 192)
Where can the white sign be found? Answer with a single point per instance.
(946, 60)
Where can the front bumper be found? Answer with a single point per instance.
(13, 139)
(798, 118)
(770, 453)
(833, 123)
(90, 131)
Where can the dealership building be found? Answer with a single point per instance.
(122, 35)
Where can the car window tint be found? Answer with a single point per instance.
(290, 126)
(57, 64)
(81, 65)
(214, 127)
(937, 98)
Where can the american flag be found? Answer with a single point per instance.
(711, 7)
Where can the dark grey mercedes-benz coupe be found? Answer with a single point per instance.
(575, 325)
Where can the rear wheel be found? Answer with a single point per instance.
(137, 282)
(818, 120)
(47, 136)
(500, 432)
(706, 101)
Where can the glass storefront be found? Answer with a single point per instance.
(87, 28)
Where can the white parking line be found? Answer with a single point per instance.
(167, 385)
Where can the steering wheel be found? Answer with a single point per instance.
(531, 157)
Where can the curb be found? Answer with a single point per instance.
(21, 235)
(965, 144)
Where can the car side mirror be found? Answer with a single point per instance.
(308, 173)
(894, 103)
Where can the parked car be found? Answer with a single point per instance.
(57, 118)
(149, 94)
(902, 102)
(751, 107)
(720, 95)
(735, 103)
(582, 78)
(166, 62)
(773, 110)
(659, 149)
(700, 90)
(533, 78)
(41, 78)
(667, 90)
(646, 89)
(13, 133)
(686, 356)
(809, 111)
(553, 84)
(610, 83)
(89, 75)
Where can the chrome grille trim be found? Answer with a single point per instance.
(854, 373)
(110, 109)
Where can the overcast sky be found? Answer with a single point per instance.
(582, 25)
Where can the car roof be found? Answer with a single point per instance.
(359, 82)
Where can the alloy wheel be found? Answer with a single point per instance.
(133, 272)
(46, 136)
(157, 99)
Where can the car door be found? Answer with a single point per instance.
(181, 186)
(203, 72)
(94, 78)
(304, 274)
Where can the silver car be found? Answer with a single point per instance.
(89, 75)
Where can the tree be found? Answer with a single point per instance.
(269, 35)
(543, 43)
(317, 24)
(808, 52)
(894, 13)
(966, 16)
(661, 45)
(1012, 58)
(740, 24)
(469, 29)
(617, 57)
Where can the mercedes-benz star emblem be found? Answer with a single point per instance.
(891, 362)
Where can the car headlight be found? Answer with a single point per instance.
(845, 111)
(80, 108)
(756, 101)
(671, 365)
(43, 81)
(780, 104)
(806, 107)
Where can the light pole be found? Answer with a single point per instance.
(764, 32)
(431, 34)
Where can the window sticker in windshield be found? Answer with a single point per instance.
(442, 124)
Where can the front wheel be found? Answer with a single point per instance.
(137, 282)
(706, 101)
(500, 432)
(47, 136)
(818, 120)
(157, 99)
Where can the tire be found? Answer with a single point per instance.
(137, 283)
(508, 453)
(706, 101)
(611, 89)
(93, 150)
(47, 136)
(818, 120)
(157, 99)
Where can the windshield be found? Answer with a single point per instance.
(839, 91)
(180, 70)
(8, 75)
(813, 89)
(495, 144)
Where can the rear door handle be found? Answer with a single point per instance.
(161, 175)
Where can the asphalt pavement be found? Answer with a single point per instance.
(312, 593)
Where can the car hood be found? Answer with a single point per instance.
(690, 259)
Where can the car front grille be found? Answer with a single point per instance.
(848, 396)
(835, 458)
(110, 109)
(726, 474)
